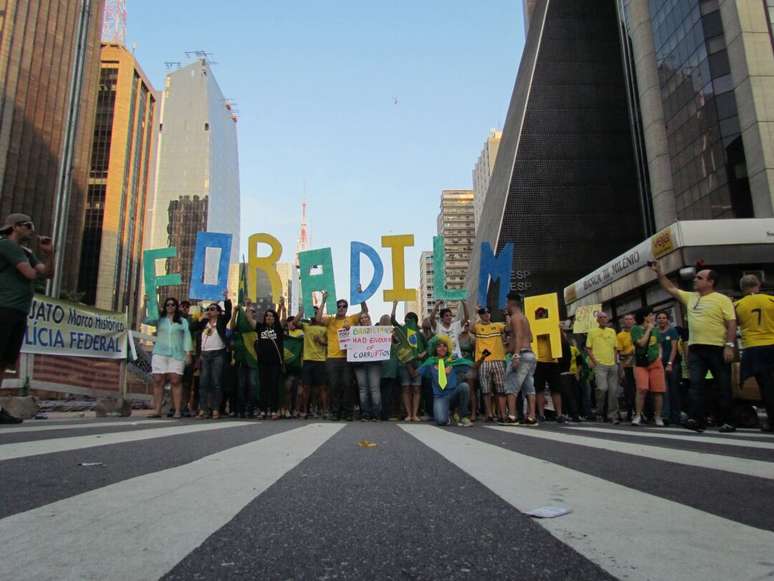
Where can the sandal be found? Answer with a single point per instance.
(201, 416)
(408, 419)
(155, 416)
(215, 415)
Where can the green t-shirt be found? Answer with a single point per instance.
(16, 291)
(655, 339)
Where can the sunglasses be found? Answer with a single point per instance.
(341, 306)
(212, 309)
(171, 305)
(28, 225)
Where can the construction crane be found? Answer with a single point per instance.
(114, 23)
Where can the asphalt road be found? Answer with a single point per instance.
(142, 499)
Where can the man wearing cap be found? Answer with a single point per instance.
(600, 344)
(490, 355)
(19, 269)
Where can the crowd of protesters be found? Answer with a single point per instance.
(458, 371)
(247, 362)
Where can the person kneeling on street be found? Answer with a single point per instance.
(448, 390)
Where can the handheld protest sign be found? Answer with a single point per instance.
(399, 292)
(496, 268)
(320, 258)
(208, 245)
(542, 312)
(356, 250)
(267, 264)
(153, 281)
(440, 291)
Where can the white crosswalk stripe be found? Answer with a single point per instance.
(684, 437)
(34, 428)
(757, 468)
(738, 434)
(34, 448)
(142, 527)
(652, 538)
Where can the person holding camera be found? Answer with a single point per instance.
(20, 268)
(648, 366)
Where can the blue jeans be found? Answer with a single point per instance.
(247, 389)
(369, 379)
(458, 396)
(211, 379)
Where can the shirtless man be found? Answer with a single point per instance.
(521, 370)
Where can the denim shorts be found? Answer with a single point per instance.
(521, 376)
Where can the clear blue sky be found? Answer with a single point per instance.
(315, 84)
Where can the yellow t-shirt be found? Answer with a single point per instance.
(544, 349)
(756, 320)
(602, 344)
(334, 324)
(489, 337)
(625, 347)
(313, 350)
(707, 316)
(574, 352)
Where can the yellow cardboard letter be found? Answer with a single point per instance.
(542, 312)
(265, 263)
(398, 245)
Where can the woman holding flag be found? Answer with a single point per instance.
(411, 350)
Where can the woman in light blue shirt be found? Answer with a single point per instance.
(171, 353)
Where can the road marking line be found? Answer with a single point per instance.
(142, 527)
(24, 429)
(707, 460)
(711, 432)
(646, 433)
(50, 446)
(630, 534)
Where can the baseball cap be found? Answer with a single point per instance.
(12, 219)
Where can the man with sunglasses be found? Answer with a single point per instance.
(336, 363)
(712, 338)
(20, 268)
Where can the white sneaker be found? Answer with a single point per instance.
(659, 422)
(637, 420)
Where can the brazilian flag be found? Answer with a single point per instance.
(244, 340)
(294, 349)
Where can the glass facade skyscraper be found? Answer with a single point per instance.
(702, 122)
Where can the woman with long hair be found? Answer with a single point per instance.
(214, 340)
(171, 353)
(270, 351)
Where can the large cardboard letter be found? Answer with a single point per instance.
(265, 263)
(200, 288)
(398, 245)
(356, 249)
(497, 268)
(547, 326)
(153, 282)
(323, 281)
(440, 291)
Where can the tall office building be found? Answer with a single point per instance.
(197, 169)
(701, 79)
(456, 223)
(482, 172)
(111, 255)
(38, 65)
(565, 185)
(426, 284)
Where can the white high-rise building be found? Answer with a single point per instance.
(426, 288)
(482, 173)
(197, 169)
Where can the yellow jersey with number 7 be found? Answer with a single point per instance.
(755, 314)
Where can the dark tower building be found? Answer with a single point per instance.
(565, 190)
